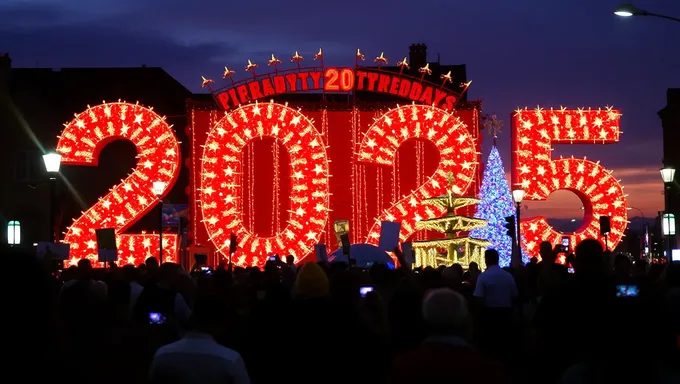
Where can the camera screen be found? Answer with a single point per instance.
(156, 318)
(363, 291)
(626, 291)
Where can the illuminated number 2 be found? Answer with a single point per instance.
(158, 160)
(538, 175)
(457, 159)
(345, 77)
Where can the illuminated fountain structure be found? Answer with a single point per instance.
(460, 249)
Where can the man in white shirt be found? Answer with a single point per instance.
(496, 293)
(496, 288)
(198, 358)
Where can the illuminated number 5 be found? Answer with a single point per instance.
(331, 77)
(533, 132)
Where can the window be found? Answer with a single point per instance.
(13, 232)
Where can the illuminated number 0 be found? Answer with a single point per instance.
(457, 158)
(346, 77)
(158, 160)
(221, 182)
(538, 175)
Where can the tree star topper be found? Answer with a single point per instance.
(493, 125)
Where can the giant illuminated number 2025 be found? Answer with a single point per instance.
(158, 160)
(538, 175)
(221, 182)
(458, 158)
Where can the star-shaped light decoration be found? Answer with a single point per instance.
(297, 58)
(424, 71)
(447, 78)
(380, 60)
(359, 56)
(205, 82)
(251, 67)
(274, 62)
(319, 55)
(493, 126)
(402, 65)
(228, 73)
(465, 87)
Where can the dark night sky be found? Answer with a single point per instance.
(518, 53)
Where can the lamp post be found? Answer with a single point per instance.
(158, 189)
(668, 222)
(517, 197)
(629, 10)
(52, 162)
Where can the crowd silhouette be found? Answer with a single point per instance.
(609, 320)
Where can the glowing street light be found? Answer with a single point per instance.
(517, 197)
(52, 162)
(629, 10)
(668, 219)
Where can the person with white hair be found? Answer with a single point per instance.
(445, 355)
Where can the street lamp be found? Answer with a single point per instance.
(668, 175)
(628, 10)
(158, 189)
(517, 197)
(52, 162)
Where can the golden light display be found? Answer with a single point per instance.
(457, 153)
(158, 160)
(221, 189)
(535, 172)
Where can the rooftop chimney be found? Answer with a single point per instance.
(418, 55)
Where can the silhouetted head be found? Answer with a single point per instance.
(168, 273)
(130, 273)
(209, 314)
(589, 257)
(151, 264)
(622, 265)
(445, 311)
(546, 251)
(290, 260)
(84, 269)
(491, 257)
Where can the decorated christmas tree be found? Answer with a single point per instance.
(496, 202)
